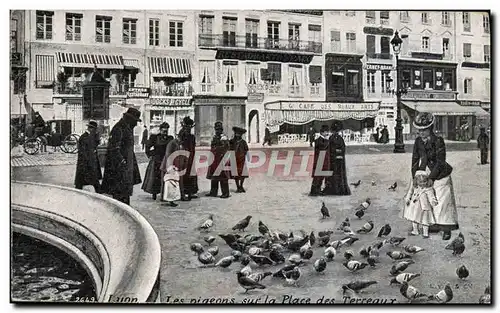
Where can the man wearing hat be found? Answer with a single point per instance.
(219, 147)
(320, 144)
(189, 181)
(88, 169)
(337, 184)
(240, 148)
(482, 143)
(121, 171)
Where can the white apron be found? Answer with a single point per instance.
(171, 189)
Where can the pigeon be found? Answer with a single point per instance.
(348, 254)
(312, 238)
(462, 272)
(364, 252)
(358, 285)
(319, 265)
(398, 255)
(241, 225)
(354, 265)
(206, 225)
(305, 247)
(293, 276)
(237, 246)
(307, 254)
(413, 249)
(295, 259)
(258, 277)
(377, 245)
(297, 243)
(373, 251)
(206, 258)
(400, 267)
(278, 247)
(395, 241)
(348, 241)
(225, 262)
(486, 297)
(344, 224)
(229, 238)
(324, 233)
(261, 260)
(282, 271)
(443, 296)
(246, 270)
(364, 205)
(247, 283)
(245, 259)
(384, 231)
(393, 186)
(263, 228)
(255, 251)
(359, 213)
(335, 244)
(236, 255)
(410, 292)
(400, 278)
(372, 260)
(457, 245)
(213, 250)
(250, 238)
(367, 227)
(276, 256)
(356, 184)
(374, 183)
(330, 253)
(324, 211)
(323, 241)
(196, 248)
(209, 239)
(348, 231)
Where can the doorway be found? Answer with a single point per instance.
(253, 127)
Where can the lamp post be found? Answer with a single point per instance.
(399, 146)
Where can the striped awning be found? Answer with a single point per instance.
(169, 67)
(45, 71)
(445, 108)
(86, 60)
(131, 63)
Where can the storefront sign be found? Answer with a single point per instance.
(220, 101)
(323, 106)
(427, 94)
(264, 56)
(170, 101)
(379, 67)
(138, 92)
(470, 103)
(257, 97)
(340, 59)
(378, 31)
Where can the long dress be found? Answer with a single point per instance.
(337, 184)
(155, 150)
(167, 163)
(88, 169)
(189, 181)
(419, 206)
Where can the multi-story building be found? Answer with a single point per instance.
(256, 70)
(18, 109)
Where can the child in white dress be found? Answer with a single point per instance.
(171, 190)
(419, 203)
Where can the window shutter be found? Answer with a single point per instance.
(335, 35)
(264, 74)
(370, 44)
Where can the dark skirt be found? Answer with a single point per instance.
(337, 184)
(153, 178)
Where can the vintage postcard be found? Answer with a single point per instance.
(250, 156)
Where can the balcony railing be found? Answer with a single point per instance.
(75, 88)
(172, 91)
(253, 42)
(380, 56)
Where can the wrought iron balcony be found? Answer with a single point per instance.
(380, 56)
(75, 88)
(251, 41)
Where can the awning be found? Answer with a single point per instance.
(17, 106)
(299, 113)
(86, 60)
(444, 108)
(169, 67)
(45, 75)
(131, 63)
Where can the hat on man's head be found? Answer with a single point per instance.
(218, 125)
(164, 125)
(133, 113)
(239, 130)
(324, 128)
(92, 124)
(423, 120)
(337, 126)
(187, 121)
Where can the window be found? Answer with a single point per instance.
(206, 25)
(274, 72)
(445, 18)
(486, 24)
(385, 81)
(103, 29)
(446, 46)
(425, 43)
(154, 32)
(251, 33)
(384, 17)
(350, 13)
(466, 21)
(467, 50)
(176, 34)
(385, 47)
(129, 35)
(273, 34)
(207, 72)
(405, 47)
(315, 33)
(449, 79)
(428, 79)
(252, 73)
(370, 17)
(315, 78)
(293, 36)
(44, 24)
(13, 36)
(335, 41)
(73, 27)
(425, 18)
(404, 16)
(352, 82)
(351, 42)
(338, 80)
(229, 32)
(487, 53)
(370, 45)
(468, 85)
(370, 82)
(229, 69)
(295, 79)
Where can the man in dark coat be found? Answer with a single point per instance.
(121, 171)
(267, 137)
(311, 134)
(240, 148)
(219, 147)
(384, 135)
(144, 139)
(88, 169)
(337, 183)
(320, 145)
(483, 142)
(189, 181)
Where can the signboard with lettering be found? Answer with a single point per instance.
(427, 94)
(379, 67)
(257, 97)
(323, 106)
(138, 93)
(470, 103)
(174, 101)
(264, 56)
(378, 31)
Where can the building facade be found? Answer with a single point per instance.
(18, 109)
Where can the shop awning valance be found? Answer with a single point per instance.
(86, 60)
(131, 63)
(445, 108)
(169, 67)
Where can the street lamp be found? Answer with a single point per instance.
(399, 146)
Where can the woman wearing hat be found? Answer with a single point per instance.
(88, 169)
(337, 184)
(240, 148)
(429, 154)
(155, 150)
(188, 181)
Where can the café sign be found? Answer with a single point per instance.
(323, 106)
(138, 93)
(379, 67)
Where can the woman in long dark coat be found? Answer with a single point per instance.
(88, 169)
(189, 181)
(240, 148)
(155, 150)
(337, 184)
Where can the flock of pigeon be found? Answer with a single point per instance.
(269, 247)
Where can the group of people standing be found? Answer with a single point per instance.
(381, 134)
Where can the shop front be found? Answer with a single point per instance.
(209, 109)
(170, 110)
(289, 121)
